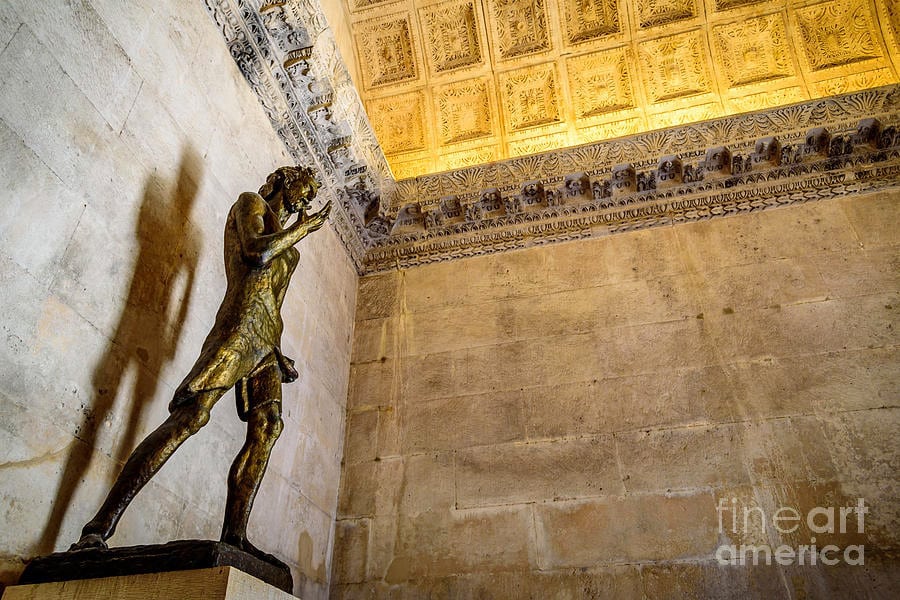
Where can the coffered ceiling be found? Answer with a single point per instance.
(455, 83)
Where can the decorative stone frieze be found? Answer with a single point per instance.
(816, 149)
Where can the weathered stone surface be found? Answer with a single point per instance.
(760, 285)
(351, 540)
(436, 544)
(759, 237)
(743, 359)
(802, 329)
(378, 296)
(682, 459)
(625, 529)
(836, 381)
(374, 340)
(540, 471)
(462, 421)
(872, 218)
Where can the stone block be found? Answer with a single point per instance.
(428, 484)
(374, 339)
(534, 472)
(437, 544)
(873, 218)
(679, 344)
(694, 396)
(9, 24)
(787, 450)
(711, 580)
(631, 256)
(39, 213)
(351, 542)
(625, 529)
(861, 272)
(476, 420)
(361, 437)
(802, 329)
(767, 235)
(454, 328)
(831, 382)
(439, 284)
(378, 296)
(375, 488)
(686, 458)
(436, 376)
(90, 55)
(760, 285)
(371, 385)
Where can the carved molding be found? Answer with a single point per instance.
(289, 57)
(739, 163)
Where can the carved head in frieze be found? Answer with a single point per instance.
(766, 152)
(532, 194)
(491, 203)
(669, 171)
(868, 133)
(577, 184)
(718, 161)
(410, 219)
(452, 210)
(378, 227)
(624, 179)
(818, 139)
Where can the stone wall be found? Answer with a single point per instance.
(573, 420)
(127, 131)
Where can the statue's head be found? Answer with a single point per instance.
(298, 186)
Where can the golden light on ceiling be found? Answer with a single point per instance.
(454, 83)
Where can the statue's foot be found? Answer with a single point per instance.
(89, 541)
(241, 543)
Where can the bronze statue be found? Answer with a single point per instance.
(241, 351)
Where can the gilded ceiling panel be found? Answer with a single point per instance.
(453, 83)
(587, 20)
(452, 36)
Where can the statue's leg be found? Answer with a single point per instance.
(150, 455)
(264, 425)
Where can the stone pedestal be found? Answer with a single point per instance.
(218, 583)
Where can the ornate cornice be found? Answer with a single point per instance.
(290, 59)
(735, 164)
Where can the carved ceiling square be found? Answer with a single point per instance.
(531, 97)
(399, 122)
(587, 20)
(753, 50)
(452, 35)
(674, 66)
(837, 33)
(520, 27)
(651, 13)
(600, 82)
(387, 50)
(464, 110)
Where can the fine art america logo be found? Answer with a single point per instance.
(820, 520)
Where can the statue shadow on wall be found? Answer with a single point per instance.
(147, 334)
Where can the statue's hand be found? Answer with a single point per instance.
(315, 220)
